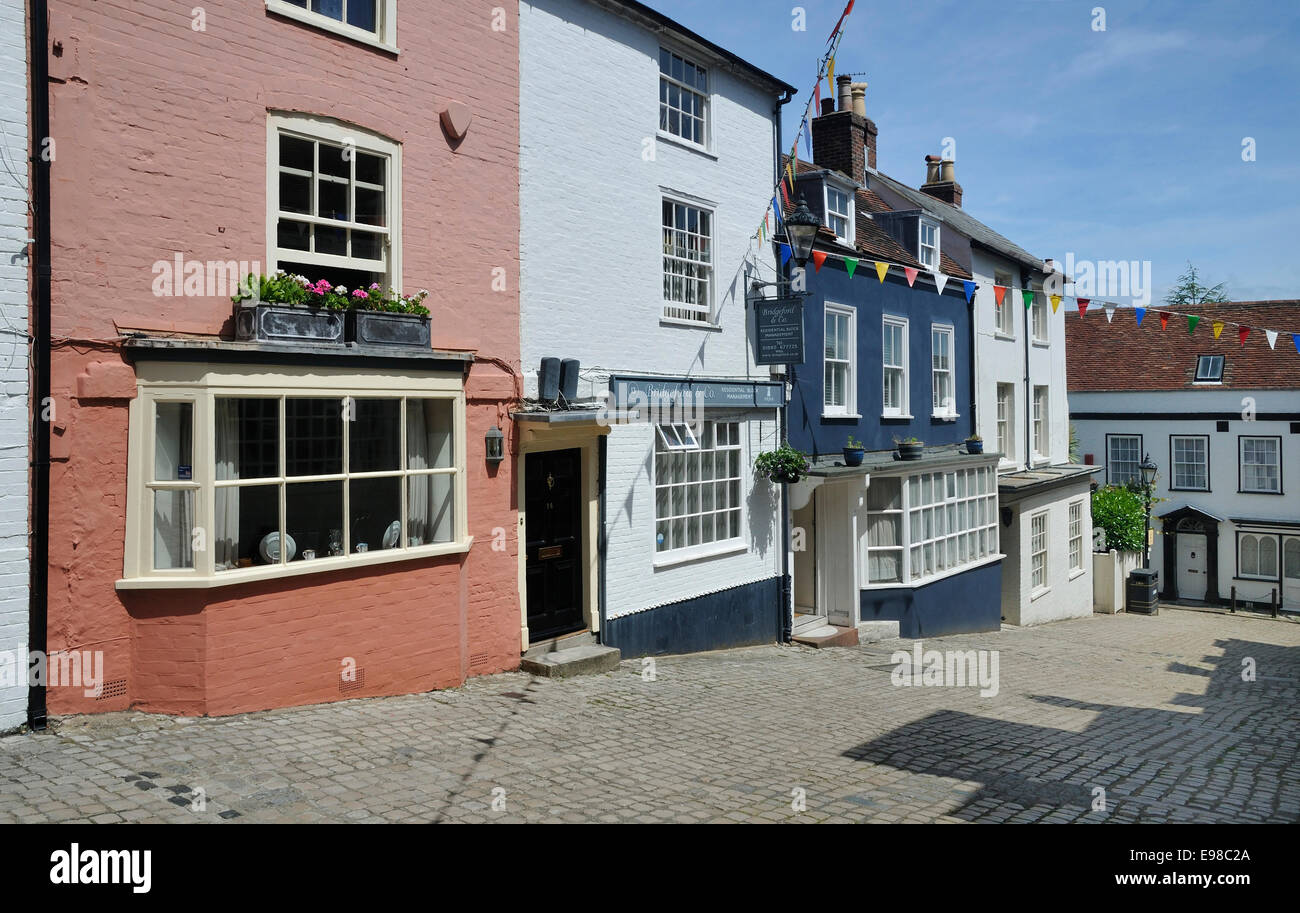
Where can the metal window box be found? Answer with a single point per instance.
(382, 328)
(282, 323)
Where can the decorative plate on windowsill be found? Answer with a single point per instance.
(270, 548)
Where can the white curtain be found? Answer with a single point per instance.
(173, 509)
(227, 499)
(429, 508)
(882, 531)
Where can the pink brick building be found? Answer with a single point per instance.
(193, 475)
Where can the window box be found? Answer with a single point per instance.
(384, 328)
(284, 323)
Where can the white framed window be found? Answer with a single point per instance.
(243, 476)
(1257, 556)
(698, 492)
(688, 262)
(1209, 369)
(951, 520)
(839, 212)
(683, 98)
(1042, 441)
(928, 244)
(1261, 464)
(1038, 551)
(677, 436)
(894, 360)
(839, 396)
(943, 397)
(372, 22)
(1006, 315)
(1007, 420)
(1123, 458)
(1076, 535)
(885, 544)
(1038, 310)
(333, 196)
(1189, 457)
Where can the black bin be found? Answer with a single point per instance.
(1141, 595)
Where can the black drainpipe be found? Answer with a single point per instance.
(786, 622)
(38, 608)
(602, 444)
(974, 341)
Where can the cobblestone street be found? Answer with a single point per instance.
(1152, 710)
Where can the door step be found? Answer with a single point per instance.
(828, 636)
(869, 632)
(804, 621)
(558, 642)
(590, 659)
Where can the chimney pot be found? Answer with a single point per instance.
(844, 86)
(859, 90)
(948, 171)
(828, 106)
(932, 169)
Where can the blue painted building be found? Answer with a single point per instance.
(914, 542)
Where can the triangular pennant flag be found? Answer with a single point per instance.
(1110, 312)
(789, 167)
(1271, 335)
(1139, 313)
(940, 280)
(1083, 305)
(1218, 328)
(999, 291)
(848, 9)
(776, 210)
(1164, 320)
(817, 98)
(819, 257)
(1191, 324)
(785, 196)
(807, 139)
(1295, 337)
(850, 265)
(969, 287)
(1056, 302)
(881, 269)
(830, 74)
(1242, 334)
(1027, 295)
(786, 253)
(911, 275)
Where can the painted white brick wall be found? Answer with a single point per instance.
(13, 354)
(1069, 591)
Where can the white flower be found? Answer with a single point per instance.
(340, 290)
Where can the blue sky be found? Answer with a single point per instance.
(1123, 144)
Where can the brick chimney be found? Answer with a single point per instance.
(941, 180)
(844, 138)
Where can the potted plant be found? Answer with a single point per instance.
(378, 319)
(782, 465)
(289, 309)
(974, 444)
(909, 448)
(853, 452)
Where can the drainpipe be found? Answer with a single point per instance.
(1029, 384)
(786, 621)
(974, 341)
(602, 443)
(38, 606)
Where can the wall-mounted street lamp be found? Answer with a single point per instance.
(494, 442)
(1148, 469)
(801, 228)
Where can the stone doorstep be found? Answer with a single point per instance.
(590, 659)
(540, 648)
(828, 636)
(805, 622)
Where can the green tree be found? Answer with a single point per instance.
(1121, 512)
(1189, 290)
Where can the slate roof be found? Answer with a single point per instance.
(1122, 356)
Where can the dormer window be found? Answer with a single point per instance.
(1209, 369)
(928, 247)
(839, 213)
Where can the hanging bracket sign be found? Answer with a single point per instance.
(778, 331)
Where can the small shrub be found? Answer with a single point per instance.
(1121, 512)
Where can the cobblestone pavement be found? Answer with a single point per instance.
(1152, 710)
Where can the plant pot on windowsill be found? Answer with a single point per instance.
(288, 324)
(910, 450)
(389, 328)
(974, 445)
(853, 456)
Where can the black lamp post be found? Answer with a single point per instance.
(1148, 469)
(801, 227)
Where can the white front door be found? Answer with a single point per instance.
(1191, 566)
(836, 546)
(1291, 572)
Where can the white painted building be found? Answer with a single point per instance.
(14, 431)
(1221, 422)
(646, 160)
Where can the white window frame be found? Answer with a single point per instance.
(667, 80)
(829, 187)
(1210, 376)
(952, 530)
(675, 311)
(1276, 447)
(334, 132)
(943, 410)
(1174, 462)
(1006, 420)
(1076, 535)
(1038, 552)
(1042, 326)
(1042, 431)
(1259, 539)
(902, 410)
(663, 524)
(202, 385)
(1110, 459)
(1004, 316)
(930, 263)
(849, 408)
(677, 436)
(384, 37)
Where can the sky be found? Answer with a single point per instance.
(1117, 144)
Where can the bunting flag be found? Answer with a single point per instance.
(1139, 313)
(1242, 334)
(830, 73)
(969, 288)
(1191, 324)
(1110, 312)
(1164, 320)
(911, 275)
(998, 292)
(848, 9)
(1218, 328)
(786, 253)
(817, 97)
(789, 167)
(881, 269)
(785, 197)
(850, 265)
(1083, 305)
(807, 138)
(1056, 302)
(1295, 338)
(940, 280)
(1027, 295)
(776, 211)
(1271, 335)
(819, 257)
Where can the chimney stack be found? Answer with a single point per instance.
(844, 138)
(941, 180)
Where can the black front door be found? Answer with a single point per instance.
(553, 501)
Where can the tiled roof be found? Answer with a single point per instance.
(1119, 356)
